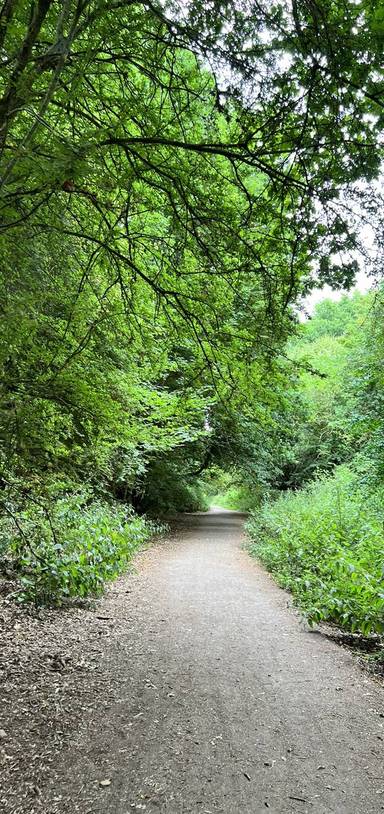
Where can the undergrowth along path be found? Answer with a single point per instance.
(199, 690)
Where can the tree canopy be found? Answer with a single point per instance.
(173, 178)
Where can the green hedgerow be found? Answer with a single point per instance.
(70, 547)
(326, 545)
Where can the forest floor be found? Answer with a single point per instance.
(192, 686)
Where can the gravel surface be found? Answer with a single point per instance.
(192, 686)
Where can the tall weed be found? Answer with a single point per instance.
(69, 547)
(326, 545)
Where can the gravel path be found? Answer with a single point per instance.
(198, 690)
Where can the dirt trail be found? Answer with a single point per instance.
(209, 695)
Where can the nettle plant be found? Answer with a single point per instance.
(325, 544)
(71, 548)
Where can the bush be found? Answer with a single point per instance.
(325, 544)
(70, 547)
(169, 489)
(237, 498)
(230, 490)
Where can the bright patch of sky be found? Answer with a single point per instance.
(363, 283)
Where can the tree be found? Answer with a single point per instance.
(170, 176)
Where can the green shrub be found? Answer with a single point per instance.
(326, 545)
(169, 489)
(230, 490)
(71, 546)
(237, 498)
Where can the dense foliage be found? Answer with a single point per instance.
(71, 548)
(172, 178)
(324, 538)
(325, 543)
